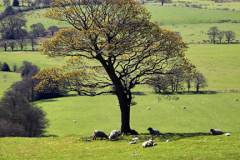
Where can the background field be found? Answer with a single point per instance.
(211, 108)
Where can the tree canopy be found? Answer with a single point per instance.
(111, 43)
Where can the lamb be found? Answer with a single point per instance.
(153, 131)
(216, 131)
(149, 143)
(114, 134)
(98, 133)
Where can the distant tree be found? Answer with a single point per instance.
(14, 67)
(5, 78)
(9, 11)
(200, 81)
(159, 83)
(53, 29)
(32, 39)
(213, 32)
(11, 26)
(37, 2)
(220, 35)
(22, 41)
(15, 3)
(46, 2)
(28, 69)
(188, 79)
(6, 2)
(12, 44)
(178, 34)
(164, 1)
(37, 28)
(230, 35)
(19, 117)
(5, 67)
(3, 43)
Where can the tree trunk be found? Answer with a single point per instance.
(125, 113)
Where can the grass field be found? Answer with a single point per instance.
(181, 146)
(204, 111)
(188, 129)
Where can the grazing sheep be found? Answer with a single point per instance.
(216, 131)
(149, 143)
(236, 99)
(153, 131)
(98, 133)
(183, 107)
(73, 121)
(148, 108)
(114, 134)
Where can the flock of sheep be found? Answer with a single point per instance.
(114, 134)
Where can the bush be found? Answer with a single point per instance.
(19, 118)
(5, 67)
(15, 3)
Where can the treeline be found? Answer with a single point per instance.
(215, 33)
(14, 34)
(175, 80)
(32, 3)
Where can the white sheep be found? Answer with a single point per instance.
(227, 134)
(216, 131)
(114, 134)
(73, 121)
(98, 133)
(153, 131)
(148, 108)
(149, 143)
(183, 107)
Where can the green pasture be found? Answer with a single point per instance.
(198, 32)
(37, 16)
(11, 78)
(203, 112)
(35, 57)
(181, 146)
(186, 15)
(219, 63)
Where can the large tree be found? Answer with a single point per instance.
(116, 36)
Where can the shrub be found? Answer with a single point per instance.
(5, 67)
(19, 118)
(15, 3)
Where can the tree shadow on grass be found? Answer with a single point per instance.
(50, 135)
(164, 136)
(199, 92)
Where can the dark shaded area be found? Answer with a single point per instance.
(146, 136)
(139, 93)
(199, 92)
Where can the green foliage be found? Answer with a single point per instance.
(5, 67)
(15, 3)
(20, 118)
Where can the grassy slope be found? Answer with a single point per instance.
(219, 63)
(11, 78)
(182, 146)
(219, 110)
